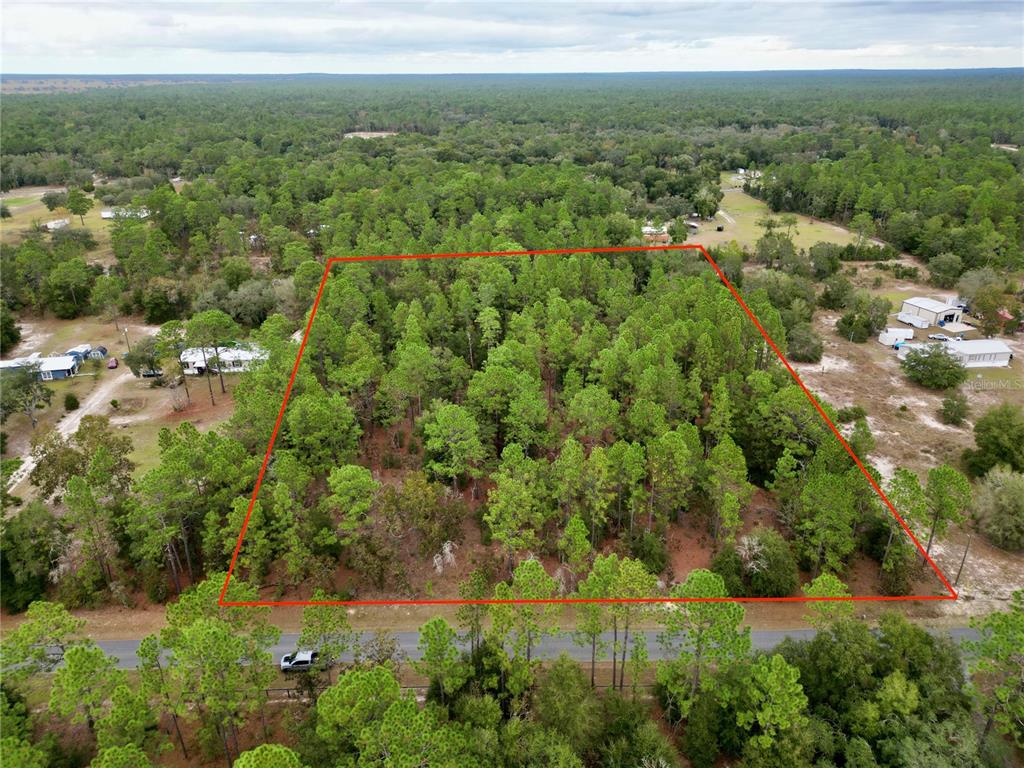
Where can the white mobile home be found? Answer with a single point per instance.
(976, 353)
(981, 353)
(935, 312)
(231, 359)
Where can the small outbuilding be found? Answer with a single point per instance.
(935, 312)
(892, 336)
(81, 351)
(98, 353)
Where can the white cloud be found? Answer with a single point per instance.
(198, 37)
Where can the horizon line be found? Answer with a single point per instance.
(514, 73)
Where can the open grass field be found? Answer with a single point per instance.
(739, 214)
(28, 211)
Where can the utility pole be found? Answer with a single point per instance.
(125, 332)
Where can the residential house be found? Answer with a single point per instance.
(234, 358)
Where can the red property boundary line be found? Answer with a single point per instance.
(569, 601)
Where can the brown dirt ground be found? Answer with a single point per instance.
(908, 433)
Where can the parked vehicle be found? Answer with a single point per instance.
(944, 337)
(300, 661)
(112, 363)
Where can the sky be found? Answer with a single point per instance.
(161, 37)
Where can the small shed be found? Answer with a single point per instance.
(935, 312)
(81, 351)
(892, 336)
(98, 353)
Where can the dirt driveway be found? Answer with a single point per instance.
(96, 402)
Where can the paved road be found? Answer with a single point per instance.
(125, 651)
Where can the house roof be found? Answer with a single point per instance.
(979, 347)
(59, 363)
(194, 355)
(931, 305)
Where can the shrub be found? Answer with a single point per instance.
(700, 739)
(945, 269)
(934, 368)
(779, 576)
(154, 584)
(804, 344)
(850, 414)
(999, 508)
(838, 292)
(954, 409)
(649, 548)
(728, 565)
(115, 404)
(762, 565)
(999, 435)
(867, 315)
(70, 402)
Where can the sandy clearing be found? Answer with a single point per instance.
(33, 337)
(97, 400)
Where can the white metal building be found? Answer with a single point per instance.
(935, 312)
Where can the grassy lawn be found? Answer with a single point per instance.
(11, 202)
(745, 211)
(26, 212)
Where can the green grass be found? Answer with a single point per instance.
(746, 211)
(145, 448)
(10, 202)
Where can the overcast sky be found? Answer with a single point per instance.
(284, 37)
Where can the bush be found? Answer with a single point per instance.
(804, 344)
(779, 576)
(728, 565)
(762, 565)
(902, 272)
(838, 292)
(999, 435)
(70, 402)
(649, 548)
(954, 409)
(999, 508)
(934, 368)
(154, 584)
(700, 739)
(850, 414)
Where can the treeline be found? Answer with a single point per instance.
(895, 696)
(962, 201)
